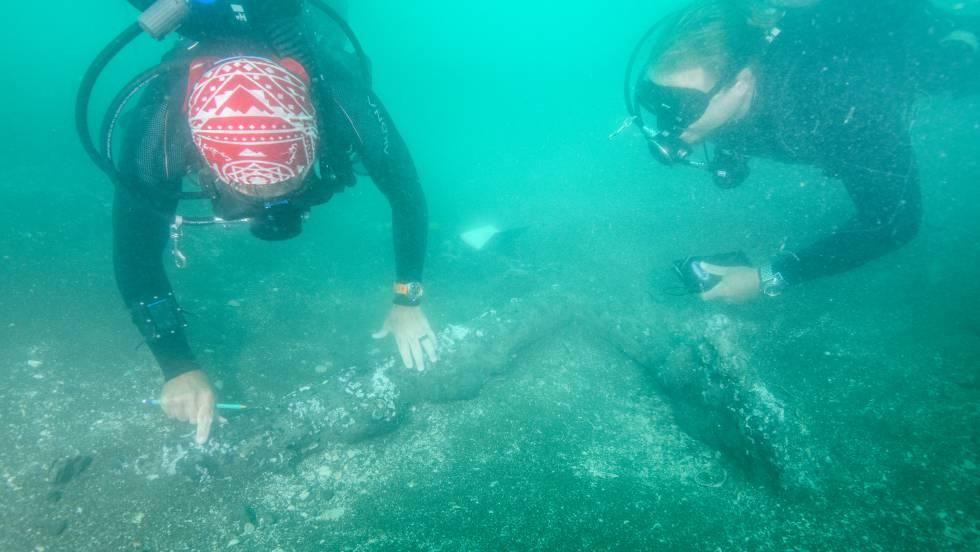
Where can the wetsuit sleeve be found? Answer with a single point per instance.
(152, 163)
(140, 234)
(357, 111)
(881, 178)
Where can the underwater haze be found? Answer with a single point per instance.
(580, 402)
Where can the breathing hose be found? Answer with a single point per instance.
(355, 43)
(103, 159)
(84, 97)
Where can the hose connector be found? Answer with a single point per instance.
(163, 17)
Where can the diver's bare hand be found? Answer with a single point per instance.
(738, 284)
(190, 398)
(413, 335)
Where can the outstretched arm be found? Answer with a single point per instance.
(390, 165)
(152, 166)
(360, 113)
(882, 180)
(140, 234)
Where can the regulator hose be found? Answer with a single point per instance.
(84, 97)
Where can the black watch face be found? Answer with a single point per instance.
(414, 292)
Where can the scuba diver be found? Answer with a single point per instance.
(268, 122)
(827, 83)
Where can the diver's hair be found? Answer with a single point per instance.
(712, 34)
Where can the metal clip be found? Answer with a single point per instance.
(176, 233)
(627, 122)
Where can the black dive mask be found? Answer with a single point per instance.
(675, 110)
(271, 219)
(278, 221)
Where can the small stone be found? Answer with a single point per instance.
(68, 469)
(250, 516)
(56, 527)
(332, 514)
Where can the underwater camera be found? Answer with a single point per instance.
(696, 279)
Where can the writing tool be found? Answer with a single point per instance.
(219, 406)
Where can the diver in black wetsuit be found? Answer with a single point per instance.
(828, 83)
(187, 124)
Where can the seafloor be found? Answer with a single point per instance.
(579, 405)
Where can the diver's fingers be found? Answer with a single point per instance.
(416, 349)
(429, 346)
(403, 351)
(167, 406)
(430, 341)
(715, 269)
(429, 333)
(181, 410)
(204, 419)
(713, 293)
(383, 332)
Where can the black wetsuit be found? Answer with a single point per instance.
(158, 153)
(835, 90)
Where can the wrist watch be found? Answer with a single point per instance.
(408, 293)
(771, 283)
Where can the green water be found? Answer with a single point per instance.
(559, 439)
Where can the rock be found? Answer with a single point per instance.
(55, 527)
(249, 515)
(68, 469)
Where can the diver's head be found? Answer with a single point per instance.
(699, 81)
(699, 77)
(694, 104)
(255, 128)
